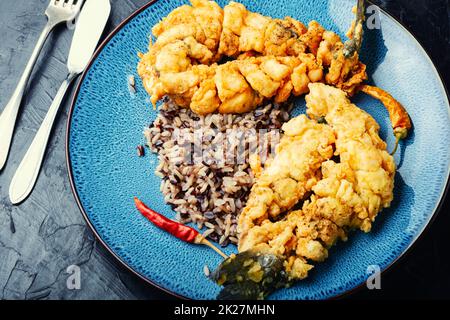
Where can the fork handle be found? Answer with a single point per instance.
(26, 175)
(9, 115)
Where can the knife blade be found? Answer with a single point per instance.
(89, 28)
(91, 23)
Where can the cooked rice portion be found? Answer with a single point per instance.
(204, 162)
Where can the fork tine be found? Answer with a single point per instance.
(78, 3)
(59, 3)
(73, 4)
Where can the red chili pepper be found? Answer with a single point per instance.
(176, 229)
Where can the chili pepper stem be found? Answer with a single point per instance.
(397, 140)
(202, 240)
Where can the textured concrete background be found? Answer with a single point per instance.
(42, 237)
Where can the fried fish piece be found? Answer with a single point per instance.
(246, 31)
(235, 94)
(277, 58)
(203, 20)
(257, 78)
(313, 36)
(360, 148)
(290, 175)
(233, 20)
(342, 193)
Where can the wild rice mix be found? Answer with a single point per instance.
(204, 162)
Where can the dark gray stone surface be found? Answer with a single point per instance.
(43, 236)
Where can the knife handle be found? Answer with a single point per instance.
(9, 115)
(26, 174)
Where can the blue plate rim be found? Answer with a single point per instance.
(106, 41)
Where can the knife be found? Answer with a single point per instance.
(91, 23)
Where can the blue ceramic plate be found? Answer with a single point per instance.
(106, 125)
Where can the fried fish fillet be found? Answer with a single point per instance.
(347, 190)
(361, 151)
(277, 58)
(245, 31)
(292, 173)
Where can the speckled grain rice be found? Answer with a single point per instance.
(209, 193)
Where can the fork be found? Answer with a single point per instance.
(57, 12)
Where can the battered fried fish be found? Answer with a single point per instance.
(341, 193)
(277, 58)
(288, 178)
